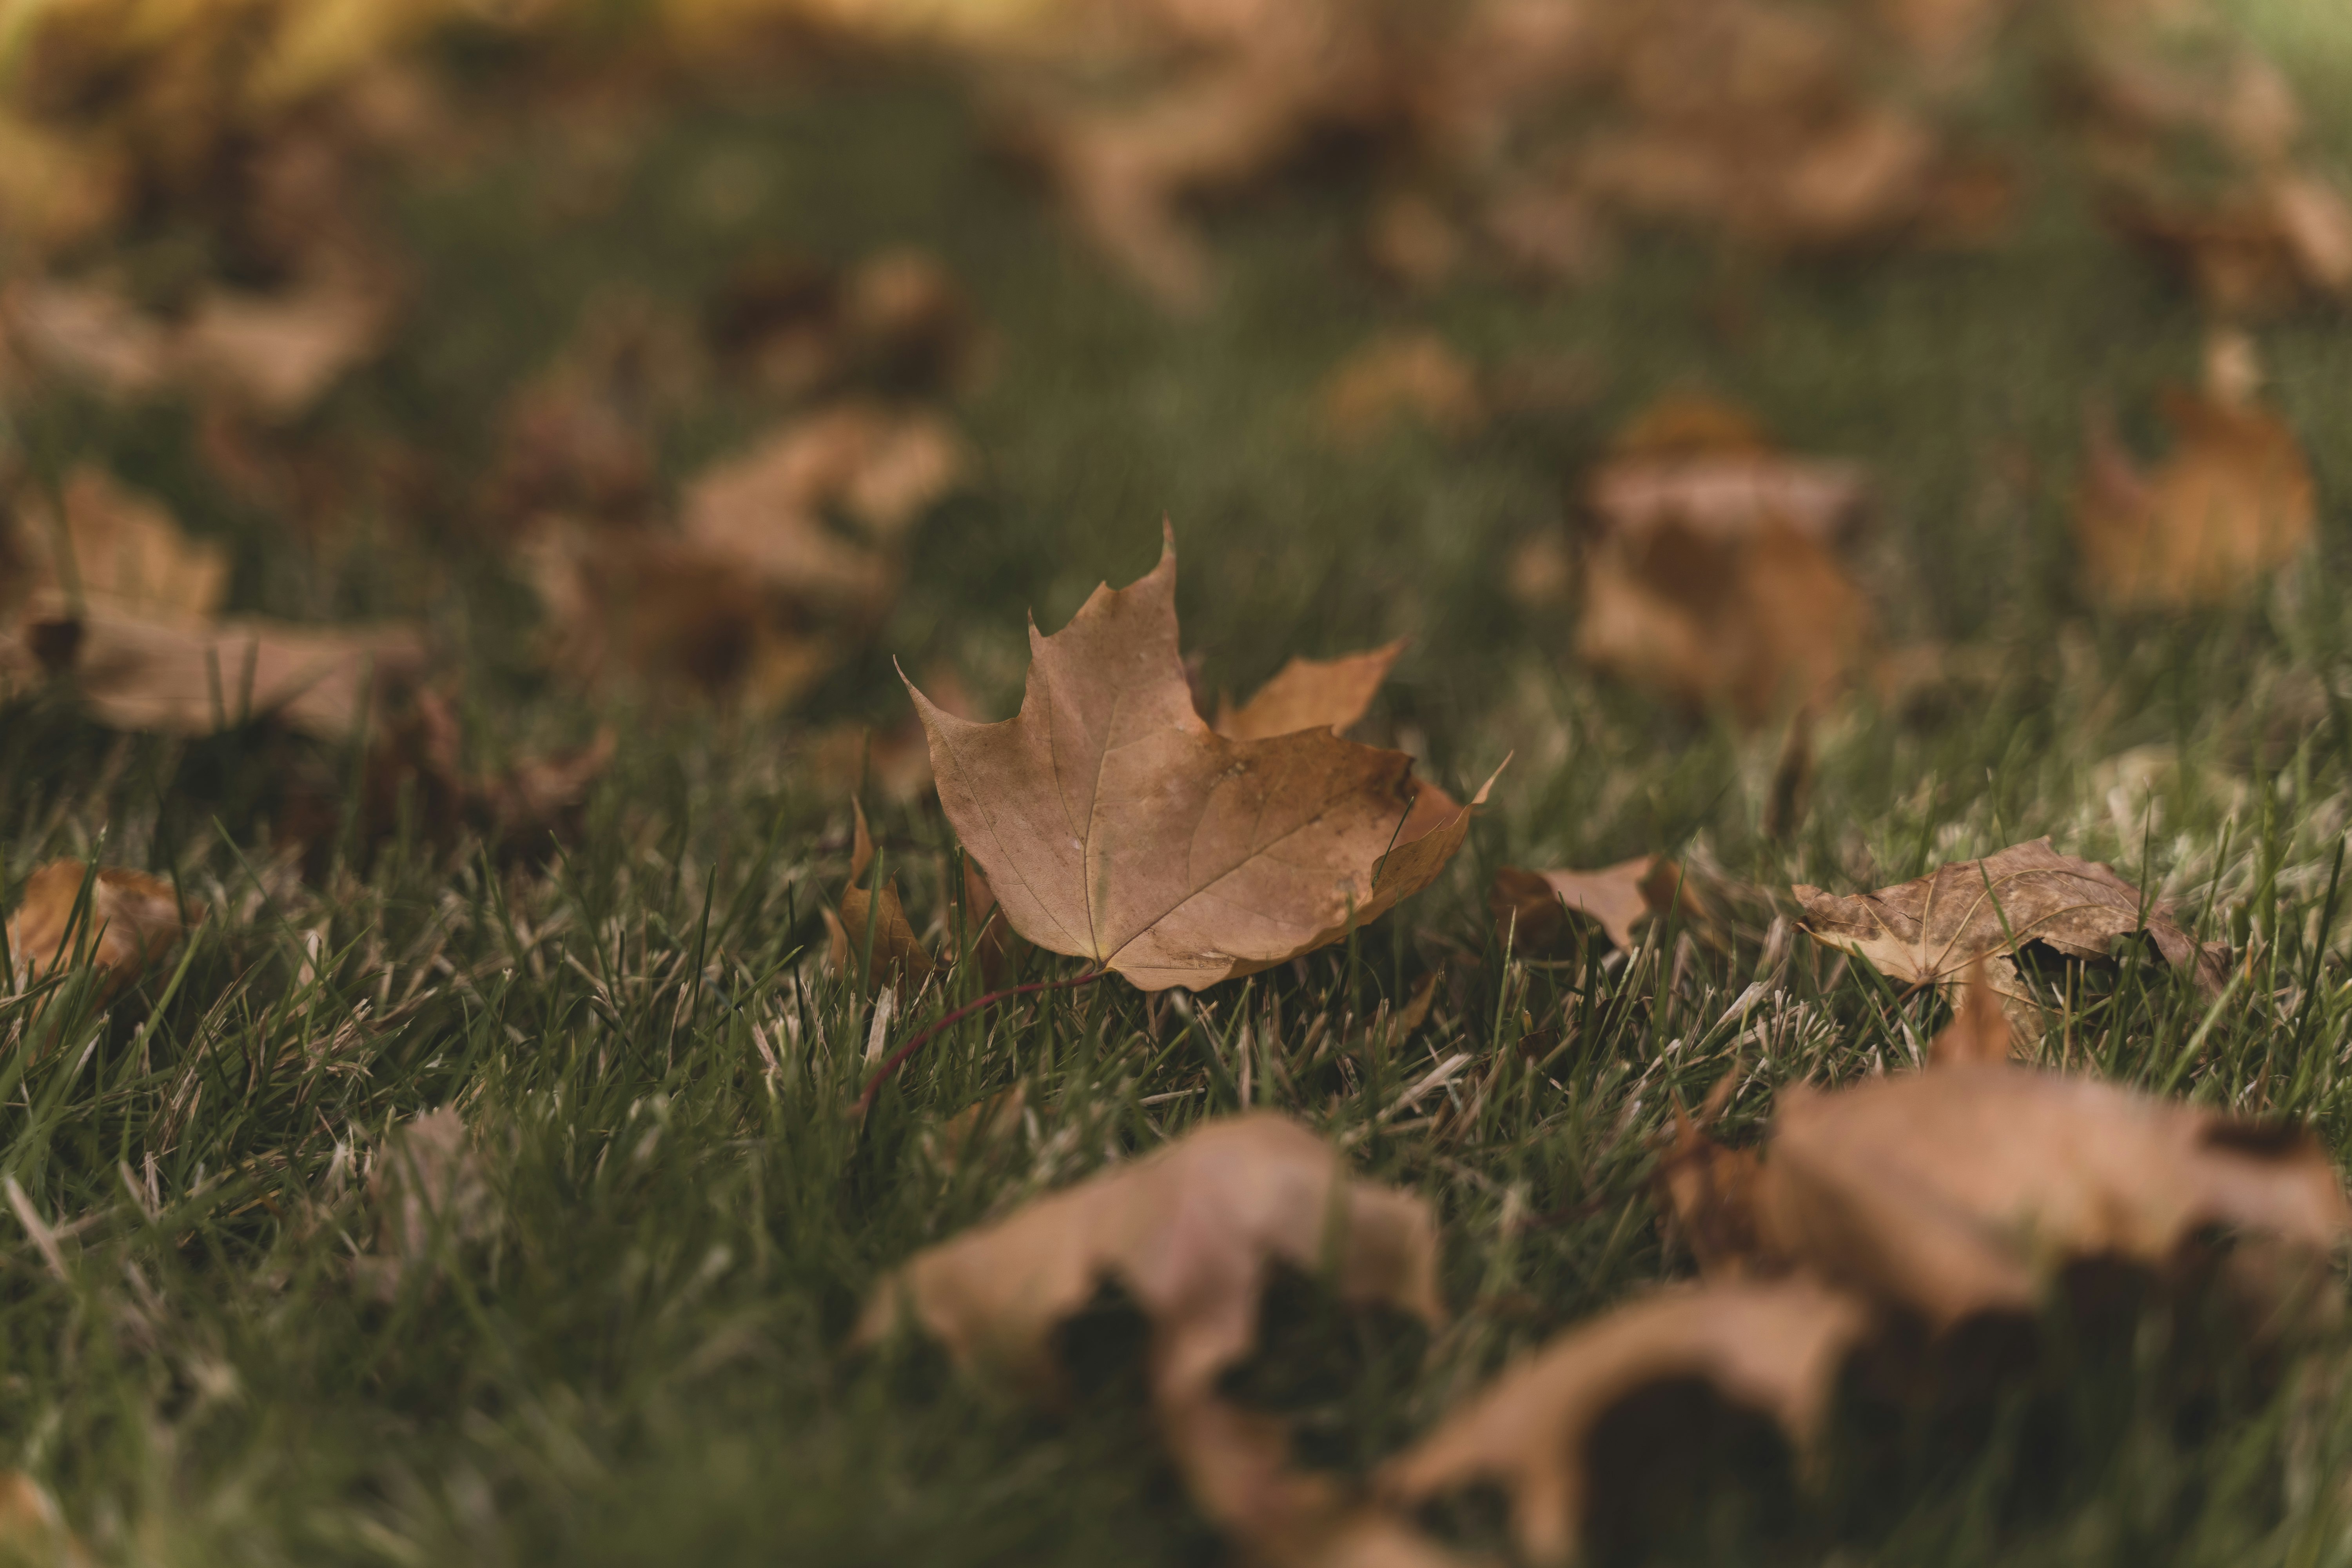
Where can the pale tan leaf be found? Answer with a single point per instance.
(121, 549)
(1617, 898)
(430, 1193)
(1114, 826)
(1964, 1189)
(1931, 929)
(1413, 375)
(2232, 503)
(280, 352)
(1773, 1348)
(1191, 1235)
(195, 679)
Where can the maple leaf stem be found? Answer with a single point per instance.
(922, 1037)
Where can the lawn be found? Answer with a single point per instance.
(639, 1348)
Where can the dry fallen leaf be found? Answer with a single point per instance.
(1711, 578)
(2232, 503)
(128, 922)
(429, 1191)
(1417, 375)
(197, 678)
(1114, 826)
(1978, 1031)
(1773, 1348)
(84, 332)
(119, 548)
(1618, 898)
(1932, 929)
(1310, 694)
(1964, 1189)
(279, 353)
(898, 956)
(1191, 1235)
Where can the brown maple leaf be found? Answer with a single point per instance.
(2231, 503)
(1774, 1348)
(1712, 577)
(1116, 826)
(128, 921)
(1933, 930)
(878, 921)
(1191, 1234)
(1535, 904)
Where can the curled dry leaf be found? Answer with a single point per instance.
(119, 548)
(429, 1193)
(278, 353)
(1310, 694)
(1961, 1190)
(128, 922)
(898, 956)
(2232, 503)
(897, 322)
(1711, 578)
(1774, 1348)
(1116, 826)
(123, 613)
(196, 680)
(1191, 1234)
(759, 590)
(1534, 904)
(1933, 929)
(84, 332)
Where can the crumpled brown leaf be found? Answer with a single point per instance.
(1771, 1347)
(1961, 1190)
(759, 593)
(277, 354)
(1711, 578)
(899, 956)
(1535, 904)
(119, 548)
(129, 921)
(1933, 929)
(124, 613)
(429, 1191)
(1116, 826)
(2231, 503)
(1191, 1234)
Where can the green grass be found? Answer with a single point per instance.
(647, 1360)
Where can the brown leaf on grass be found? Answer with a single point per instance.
(785, 556)
(195, 679)
(1774, 1349)
(1618, 898)
(84, 332)
(898, 957)
(128, 922)
(1191, 1235)
(278, 353)
(1309, 694)
(1933, 930)
(1411, 375)
(2232, 503)
(119, 548)
(430, 1194)
(1711, 578)
(1963, 1189)
(1116, 826)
